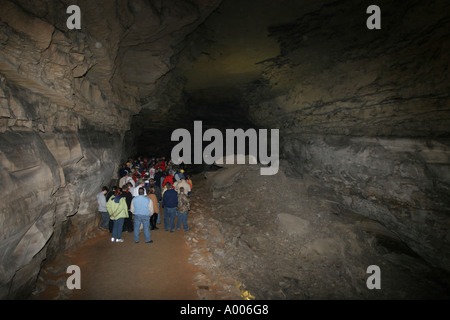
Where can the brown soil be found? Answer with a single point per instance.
(128, 270)
(176, 266)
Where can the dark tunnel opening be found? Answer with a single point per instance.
(220, 116)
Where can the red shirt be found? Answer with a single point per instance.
(168, 179)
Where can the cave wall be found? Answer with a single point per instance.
(67, 98)
(368, 113)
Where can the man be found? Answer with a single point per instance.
(182, 210)
(178, 175)
(182, 184)
(159, 175)
(140, 183)
(123, 180)
(101, 200)
(170, 203)
(142, 208)
(130, 179)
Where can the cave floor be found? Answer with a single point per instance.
(163, 270)
(128, 270)
(238, 248)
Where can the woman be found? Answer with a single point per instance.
(152, 195)
(118, 211)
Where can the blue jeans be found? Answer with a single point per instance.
(158, 221)
(117, 228)
(145, 220)
(182, 218)
(105, 219)
(169, 218)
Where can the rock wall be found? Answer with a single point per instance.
(401, 183)
(67, 98)
(367, 112)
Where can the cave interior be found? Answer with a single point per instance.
(364, 111)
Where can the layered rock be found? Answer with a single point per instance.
(367, 112)
(67, 98)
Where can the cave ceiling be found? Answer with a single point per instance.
(211, 67)
(238, 48)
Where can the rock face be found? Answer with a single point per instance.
(66, 102)
(367, 113)
(402, 183)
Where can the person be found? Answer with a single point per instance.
(168, 178)
(110, 193)
(118, 211)
(146, 180)
(189, 181)
(158, 190)
(170, 203)
(123, 171)
(182, 184)
(123, 180)
(182, 210)
(151, 194)
(130, 179)
(142, 208)
(108, 196)
(101, 200)
(139, 184)
(159, 177)
(152, 172)
(128, 222)
(178, 175)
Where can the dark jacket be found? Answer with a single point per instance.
(158, 177)
(170, 199)
(129, 197)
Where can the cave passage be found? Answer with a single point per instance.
(363, 116)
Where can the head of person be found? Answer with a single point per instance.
(118, 192)
(168, 185)
(151, 190)
(125, 188)
(141, 191)
(181, 190)
(105, 189)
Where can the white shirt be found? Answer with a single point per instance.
(130, 179)
(135, 191)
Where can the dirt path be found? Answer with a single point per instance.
(128, 270)
(176, 266)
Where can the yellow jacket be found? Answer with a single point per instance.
(117, 210)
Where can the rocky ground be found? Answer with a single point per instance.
(279, 237)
